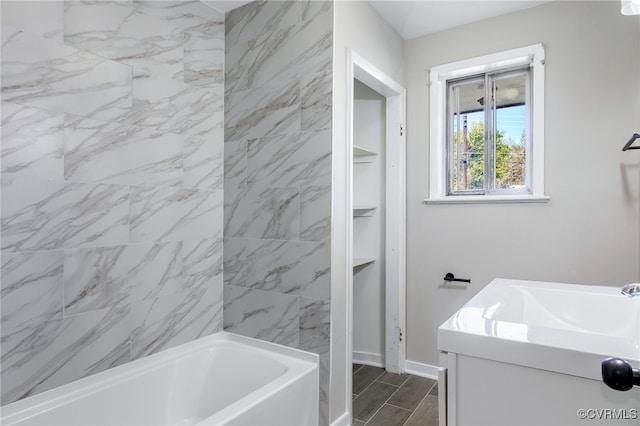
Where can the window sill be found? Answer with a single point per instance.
(488, 199)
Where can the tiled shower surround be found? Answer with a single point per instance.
(116, 147)
(277, 182)
(112, 185)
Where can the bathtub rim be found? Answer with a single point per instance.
(298, 362)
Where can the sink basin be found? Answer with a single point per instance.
(585, 309)
(567, 328)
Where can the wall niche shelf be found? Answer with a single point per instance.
(362, 211)
(362, 261)
(363, 155)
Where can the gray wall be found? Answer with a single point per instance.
(278, 88)
(588, 232)
(112, 199)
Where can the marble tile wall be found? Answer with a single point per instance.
(112, 163)
(277, 175)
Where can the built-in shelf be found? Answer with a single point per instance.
(362, 261)
(363, 155)
(360, 211)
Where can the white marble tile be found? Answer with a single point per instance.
(32, 143)
(53, 353)
(37, 18)
(290, 160)
(202, 260)
(315, 96)
(169, 321)
(31, 288)
(101, 151)
(267, 111)
(250, 21)
(204, 55)
(173, 214)
(235, 261)
(264, 315)
(116, 276)
(315, 325)
(169, 106)
(41, 215)
(183, 15)
(235, 166)
(117, 31)
(43, 74)
(325, 388)
(204, 160)
(286, 54)
(291, 267)
(271, 213)
(314, 8)
(315, 213)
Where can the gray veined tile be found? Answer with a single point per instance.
(31, 288)
(325, 370)
(265, 315)
(271, 213)
(169, 321)
(290, 160)
(283, 55)
(235, 261)
(204, 55)
(250, 21)
(315, 213)
(204, 160)
(182, 15)
(41, 215)
(315, 96)
(291, 267)
(116, 276)
(315, 325)
(267, 111)
(56, 77)
(312, 9)
(202, 263)
(173, 214)
(100, 151)
(235, 165)
(37, 18)
(118, 31)
(170, 106)
(53, 353)
(32, 143)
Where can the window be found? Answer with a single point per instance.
(487, 129)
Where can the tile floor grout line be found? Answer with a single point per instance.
(421, 401)
(367, 387)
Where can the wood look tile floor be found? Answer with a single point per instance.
(386, 399)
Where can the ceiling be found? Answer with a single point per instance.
(415, 18)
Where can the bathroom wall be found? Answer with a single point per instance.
(277, 180)
(112, 176)
(588, 232)
(358, 27)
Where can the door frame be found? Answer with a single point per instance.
(395, 222)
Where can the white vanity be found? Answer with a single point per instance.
(530, 353)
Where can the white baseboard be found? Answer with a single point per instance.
(411, 367)
(343, 420)
(422, 370)
(366, 358)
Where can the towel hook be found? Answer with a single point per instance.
(628, 146)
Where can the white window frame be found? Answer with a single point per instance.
(533, 55)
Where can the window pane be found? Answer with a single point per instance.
(466, 136)
(510, 132)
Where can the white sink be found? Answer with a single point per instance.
(566, 328)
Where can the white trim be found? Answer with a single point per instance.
(366, 358)
(343, 420)
(422, 370)
(438, 76)
(479, 199)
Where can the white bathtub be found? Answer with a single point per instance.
(217, 380)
